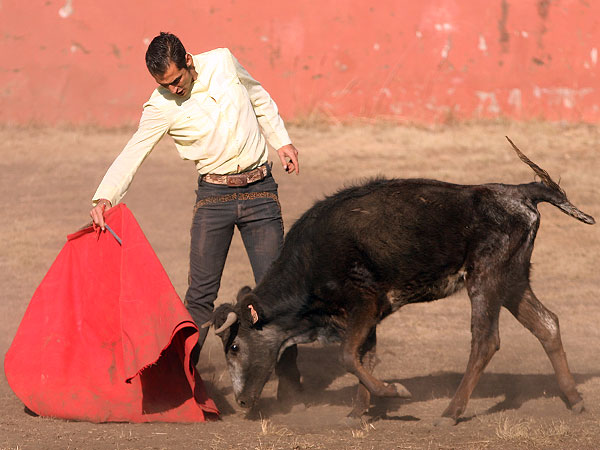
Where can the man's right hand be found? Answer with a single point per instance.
(289, 151)
(97, 212)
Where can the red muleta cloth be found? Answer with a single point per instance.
(106, 338)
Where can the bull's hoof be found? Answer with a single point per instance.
(578, 407)
(289, 392)
(402, 392)
(396, 390)
(298, 408)
(253, 414)
(357, 413)
(284, 407)
(444, 422)
(353, 421)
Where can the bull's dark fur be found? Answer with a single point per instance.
(362, 253)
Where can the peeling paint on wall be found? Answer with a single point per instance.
(66, 10)
(515, 99)
(422, 62)
(446, 49)
(562, 96)
(77, 47)
(487, 103)
(504, 38)
(482, 44)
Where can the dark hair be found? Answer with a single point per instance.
(163, 49)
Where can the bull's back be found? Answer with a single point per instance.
(403, 227)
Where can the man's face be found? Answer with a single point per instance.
(178, 81)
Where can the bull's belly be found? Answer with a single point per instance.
(331, 331)
(417, 292)
(324, 335)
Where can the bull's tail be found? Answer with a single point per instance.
(552, 193)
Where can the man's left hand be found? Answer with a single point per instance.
(289, 151)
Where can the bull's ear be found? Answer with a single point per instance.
(252, 314)
(243, 292)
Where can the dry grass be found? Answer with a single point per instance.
(280, 437)
(532, 431)
(268, 428)
(363, 431)
(510, 429)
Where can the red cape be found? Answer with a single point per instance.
(106, 338)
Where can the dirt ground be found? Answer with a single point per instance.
(49, 175)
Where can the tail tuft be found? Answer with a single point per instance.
(575, 212)
(557, 196)
(544, 176)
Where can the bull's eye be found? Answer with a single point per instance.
(234, 348)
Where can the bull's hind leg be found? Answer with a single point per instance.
(485, 341)
(543, 324)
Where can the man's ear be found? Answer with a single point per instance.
(189, 61)
(252, 314)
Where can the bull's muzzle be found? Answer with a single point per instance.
(246, 402)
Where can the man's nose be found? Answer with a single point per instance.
(173, 89)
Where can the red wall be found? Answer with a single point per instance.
(424, 61)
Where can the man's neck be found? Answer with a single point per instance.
(192, 69)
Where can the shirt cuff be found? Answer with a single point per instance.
(278, 140)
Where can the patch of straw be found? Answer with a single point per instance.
(527, 430)
(363, 431)
(268, 428)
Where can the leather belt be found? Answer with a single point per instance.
(238, 179)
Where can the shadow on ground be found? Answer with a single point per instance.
(320, 368)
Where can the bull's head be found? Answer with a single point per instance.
(251, 345)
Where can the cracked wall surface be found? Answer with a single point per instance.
(81, 62)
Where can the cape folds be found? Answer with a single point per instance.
(106, 338)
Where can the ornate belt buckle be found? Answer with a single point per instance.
(237, 180)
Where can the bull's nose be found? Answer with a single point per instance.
(244, 403)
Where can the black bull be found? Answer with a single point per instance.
(359, 255)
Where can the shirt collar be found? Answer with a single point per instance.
(199, 85)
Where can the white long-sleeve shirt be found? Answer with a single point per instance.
(218, 126)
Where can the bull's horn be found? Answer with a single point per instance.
(230, 320)
(207, 324)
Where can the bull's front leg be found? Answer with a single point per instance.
(289, 386)
(362, 401)
(358, 329)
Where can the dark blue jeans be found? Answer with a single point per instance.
(255, 210)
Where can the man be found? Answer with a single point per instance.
(214, 110)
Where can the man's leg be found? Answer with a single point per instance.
(211, 233)
(261, 226)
